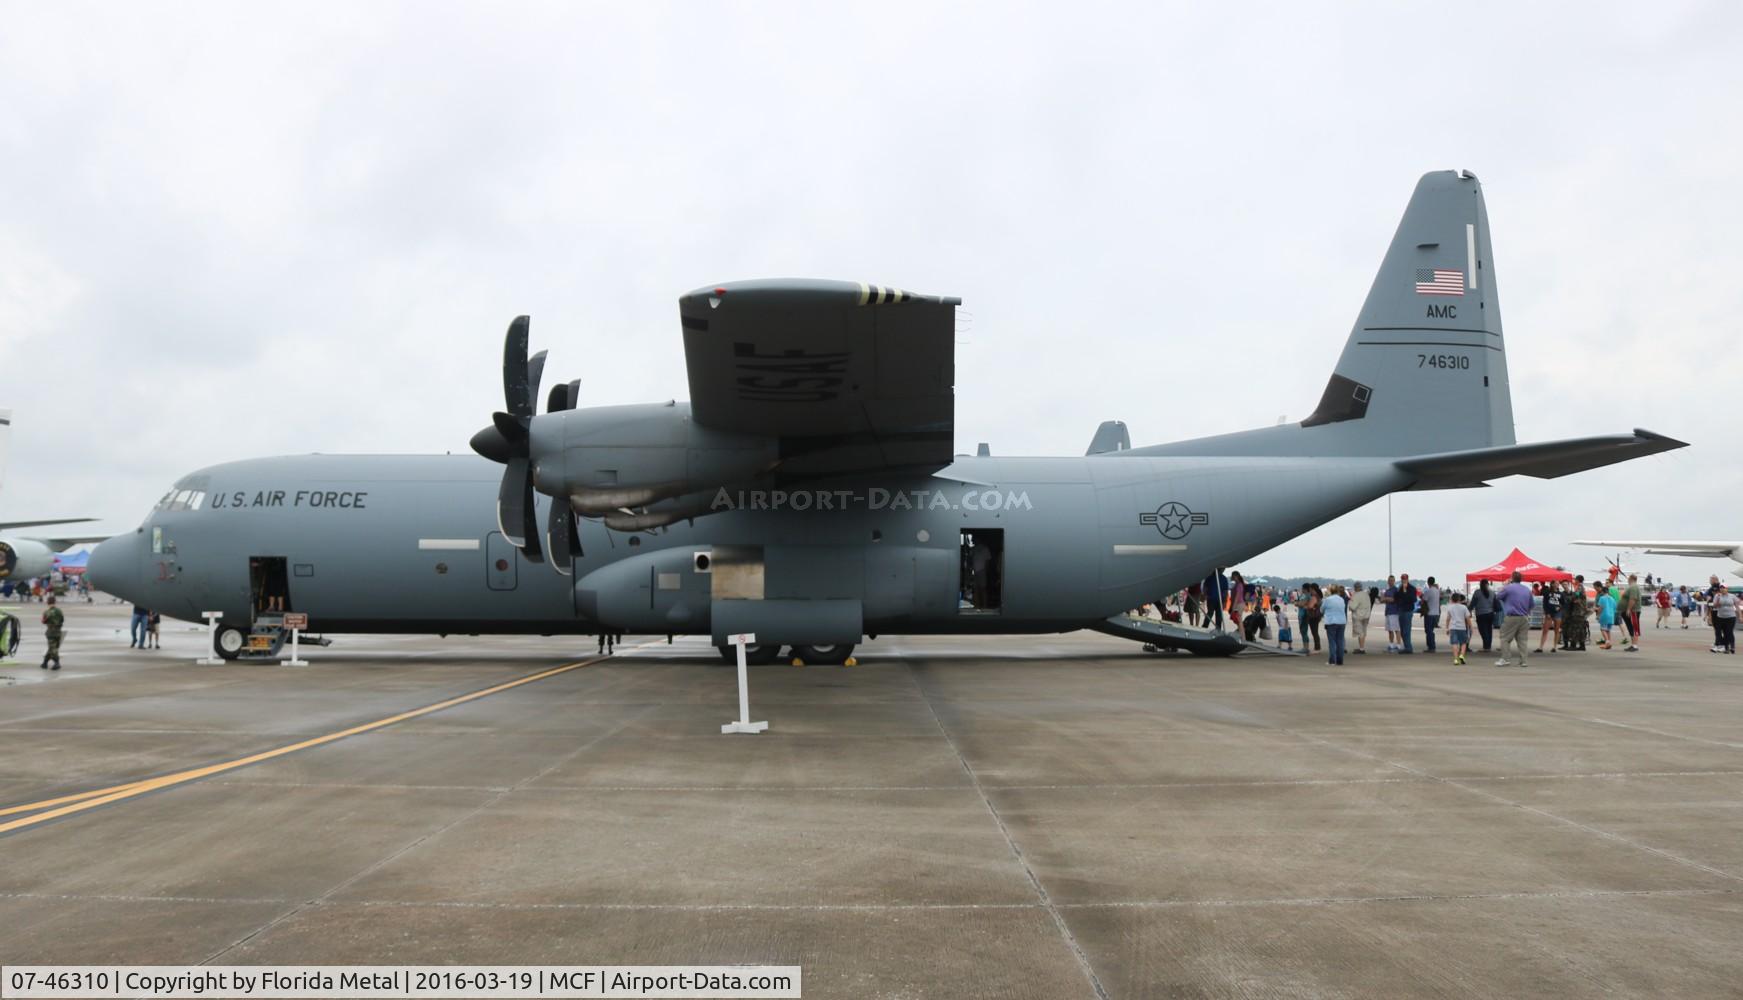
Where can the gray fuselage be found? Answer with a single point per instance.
(408, 543)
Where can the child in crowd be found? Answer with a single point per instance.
(1285, 638)
(1458, 628)
(1606, 617)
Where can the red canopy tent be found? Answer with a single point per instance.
(1529, 569)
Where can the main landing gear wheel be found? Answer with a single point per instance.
(228, 642)
(757, 652)
(835, 653)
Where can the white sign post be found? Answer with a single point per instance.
(296, 622)
(743, 725)
(211, 657)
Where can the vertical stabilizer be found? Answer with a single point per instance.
(1425, 368)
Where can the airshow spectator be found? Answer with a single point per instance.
(1574, 627)
(1483, 613)
(1430, 611)
(1552, 610)
(1606, 617)
(1661, 600)
(1335, 610)
(1216, 588)
(1458, 628)
(1389, 599)
(138, 628)
(1631, 612)
(1684, 603)
(1361, 609)
(1515, 618)
(1725, 621)
(1407, 598)
(1307, 615)
(53, 621)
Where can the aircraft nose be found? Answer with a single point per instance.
(114, 566)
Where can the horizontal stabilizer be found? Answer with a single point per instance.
(9, 525)
(1110, 436)
(1543, 460)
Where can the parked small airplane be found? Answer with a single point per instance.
(1704, 550)
(808, 492)
(28, 557)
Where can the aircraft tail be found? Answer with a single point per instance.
(1425, 368)
(1423, 376)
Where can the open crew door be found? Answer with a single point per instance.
(269, 586)
(983, 571)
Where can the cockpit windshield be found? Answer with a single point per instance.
(182, 500)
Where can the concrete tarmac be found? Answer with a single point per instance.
(1060, 816)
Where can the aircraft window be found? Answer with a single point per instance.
(181, 500)
(197, 499)
(167, 497)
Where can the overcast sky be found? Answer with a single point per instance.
(234, 230)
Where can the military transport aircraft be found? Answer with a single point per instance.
(808, 492)
(27, 557)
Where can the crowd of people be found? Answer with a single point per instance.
(1334, 617)
(39, 590)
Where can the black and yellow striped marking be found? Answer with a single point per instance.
(67, 805)
(878, 295)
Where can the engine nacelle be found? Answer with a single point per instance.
(606, 458)
(24, 559)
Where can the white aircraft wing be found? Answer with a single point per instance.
(1663, 547)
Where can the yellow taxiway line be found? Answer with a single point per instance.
(67, 805)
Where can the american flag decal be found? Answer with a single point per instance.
(1439, 281)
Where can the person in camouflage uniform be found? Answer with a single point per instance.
(53, 619)
(1575, 628)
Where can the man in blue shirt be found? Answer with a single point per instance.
(1515, 600)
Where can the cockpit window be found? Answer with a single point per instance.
(182, 500)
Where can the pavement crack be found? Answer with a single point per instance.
(1011, 842)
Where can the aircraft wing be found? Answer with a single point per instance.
(9, 525)
(1713, 550)
(850, 377)
(1543, 460)
(61, 544)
